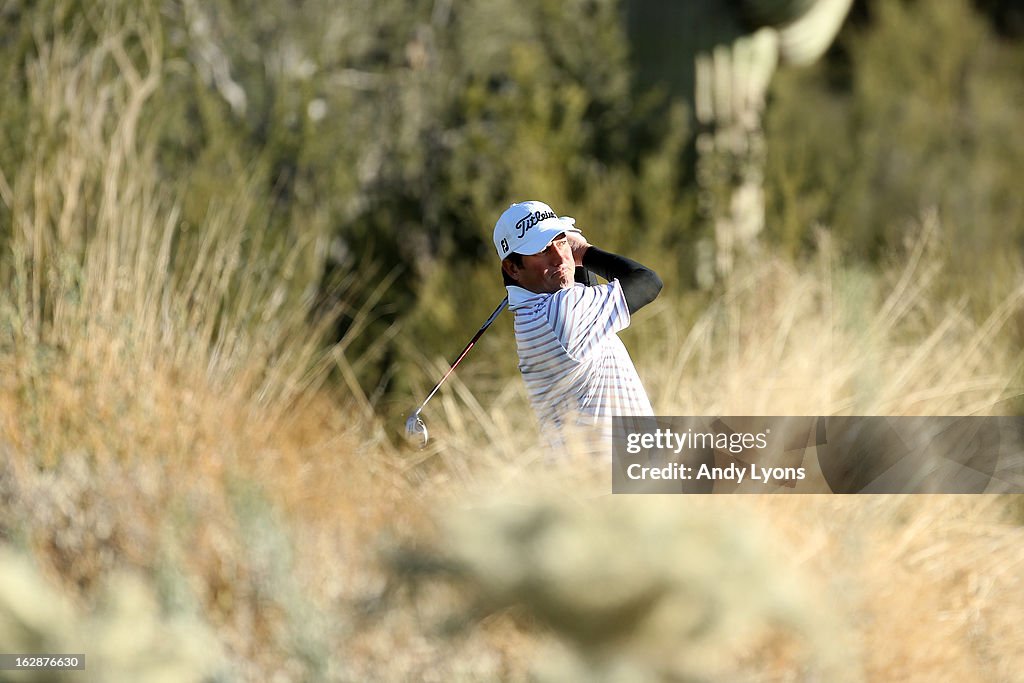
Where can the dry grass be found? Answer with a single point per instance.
(917, 588)
(824, 339)
(928, 586)
(163, 412)
(159, 385)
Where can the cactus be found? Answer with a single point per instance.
(720, 58)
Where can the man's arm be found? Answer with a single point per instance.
(584, 316)
(640, 284)
(584, 277)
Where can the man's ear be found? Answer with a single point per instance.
(510, 269)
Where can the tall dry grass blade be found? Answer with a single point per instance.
(911, 282)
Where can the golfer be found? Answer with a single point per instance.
(577, 371)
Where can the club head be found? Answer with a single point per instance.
(415, 430)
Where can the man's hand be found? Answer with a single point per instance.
(579, 245)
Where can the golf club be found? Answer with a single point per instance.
(414, 426)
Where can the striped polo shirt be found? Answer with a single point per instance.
(576, 369)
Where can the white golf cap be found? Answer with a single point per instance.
(528, 227)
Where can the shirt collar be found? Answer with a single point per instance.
(519, 297)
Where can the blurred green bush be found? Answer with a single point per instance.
(916, 110)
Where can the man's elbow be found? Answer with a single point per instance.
(652, 286)
(641, 289)
(657, 284)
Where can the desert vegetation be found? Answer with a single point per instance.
(239, 241)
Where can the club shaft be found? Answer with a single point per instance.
(455, 363)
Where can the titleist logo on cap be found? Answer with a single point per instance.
(527, 222)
